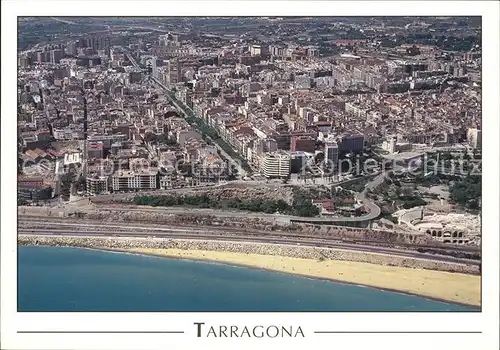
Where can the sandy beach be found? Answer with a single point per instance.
(447, 286)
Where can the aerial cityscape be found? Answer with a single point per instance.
(240, 155)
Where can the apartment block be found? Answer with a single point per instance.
(275, 165)
(97, 185)
(133, 181)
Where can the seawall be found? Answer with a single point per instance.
(313, 253)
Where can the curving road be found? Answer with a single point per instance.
(373, 210)
(239, 214)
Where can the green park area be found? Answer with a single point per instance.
(301, 205)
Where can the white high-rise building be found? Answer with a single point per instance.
(474, 138)
(275, 165)
(154, 67)
(331, 152)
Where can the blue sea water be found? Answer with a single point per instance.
(74, 279)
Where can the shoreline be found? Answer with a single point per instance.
(253, 267)
(378, 271)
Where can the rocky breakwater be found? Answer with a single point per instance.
(247, 248)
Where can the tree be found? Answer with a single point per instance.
(416, 202)
(306, 210)
(80, 183)
(472, 204)
(150, 137)
(467, 191)
(445, 156)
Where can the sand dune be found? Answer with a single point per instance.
(453, 287)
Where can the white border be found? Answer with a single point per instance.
(487, 321)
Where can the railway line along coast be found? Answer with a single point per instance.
(143, 224)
